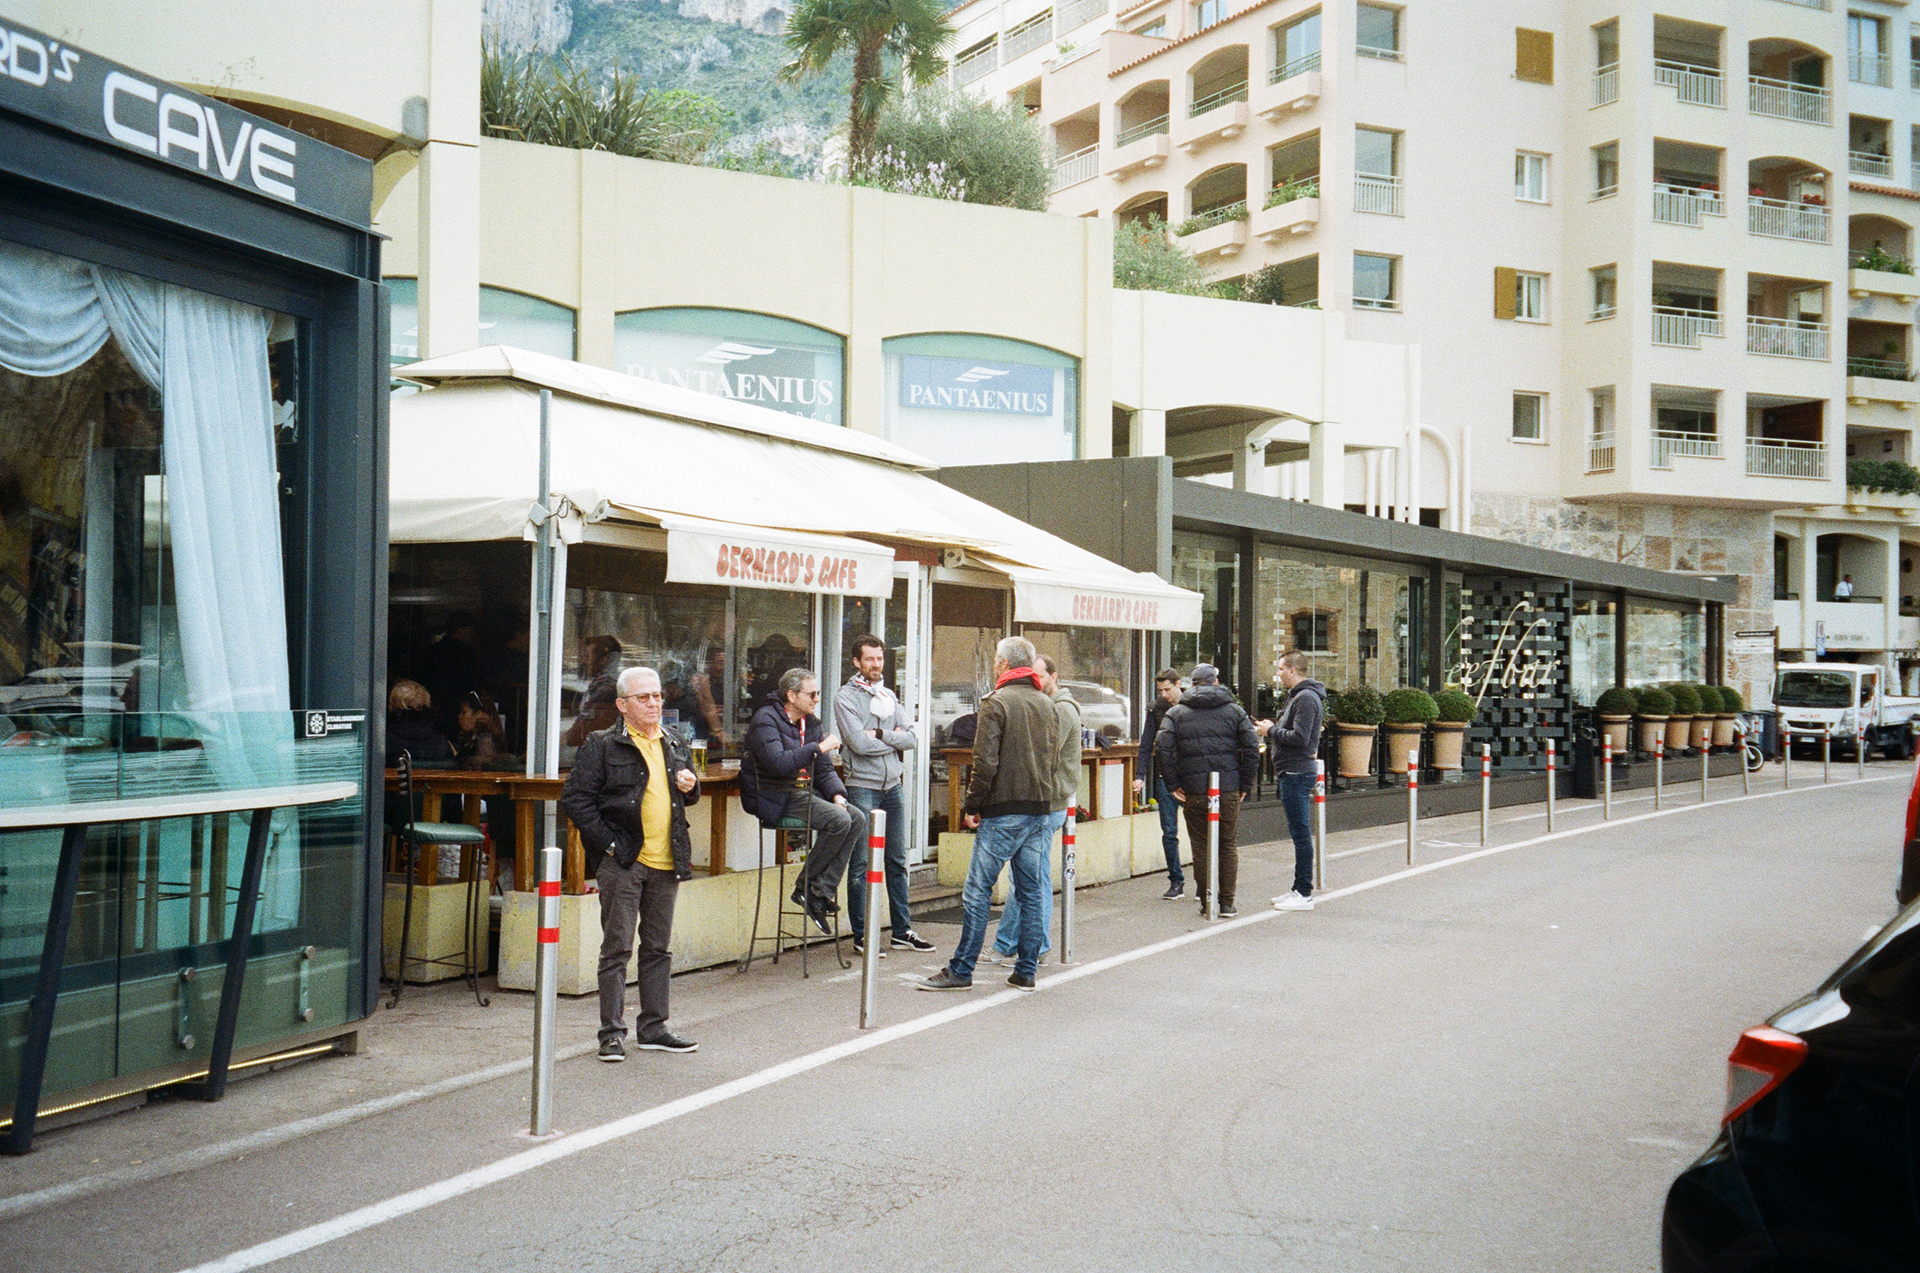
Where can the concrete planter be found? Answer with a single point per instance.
(1616, 728)
(435, 931)
(1678, 730)
(1723, 729)
(1356, 750)
(1449, 740)
(1652, 729)
(1701, 735)
(1402, 737)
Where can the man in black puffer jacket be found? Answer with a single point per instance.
(1207, 732)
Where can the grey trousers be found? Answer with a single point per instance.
(637, 897)
(837, 828)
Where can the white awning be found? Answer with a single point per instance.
(700, 551)
(1057, 598)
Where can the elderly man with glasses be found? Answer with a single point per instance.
(788, 773)
(628, 793)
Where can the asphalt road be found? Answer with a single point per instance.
(1495, 1065)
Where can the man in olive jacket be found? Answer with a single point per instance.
(628, 793)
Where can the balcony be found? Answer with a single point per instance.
(1786, 338)
(1221, 232)
(1299, 66)
(1771, 457)
(1863, 164)
(976, 64)
(1779, 99)
(1138, 148)
(1685, 205)
(1606, 84)
(1081, 165)
(1293, 87)
(1778, 219)
(1913, 74)
(1668, 443)
(1600, 453)
(1373, 193)
(1028, 36)
(1215, 117)
(1695, 85)
(1683, 328)
(1869, 68)
(1280, 221)
(1871, 380)
(1822, 5)
(1079, 13)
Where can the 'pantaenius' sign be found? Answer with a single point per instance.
(962, 384)
(51, 81)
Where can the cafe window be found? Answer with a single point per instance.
(971, 399)
(1212, 570)
(967, 624)
(1590, 652)
(730, 353)
(1666, 641)
(1094, 666)
(1355, 620)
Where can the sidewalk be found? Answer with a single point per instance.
(439, 1042)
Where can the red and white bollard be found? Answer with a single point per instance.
(546, 984)
(1659, 768)
(1486, 791)
(1413, 802)
(876, 880)
(1550, 786)
(1606, 777)
(1067, 871)
(1320, 824)
(1213, 846)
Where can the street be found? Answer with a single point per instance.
(1496, 1064)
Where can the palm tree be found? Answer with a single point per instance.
(912, 32)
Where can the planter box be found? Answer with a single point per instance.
(1275, 224)
(1902, 287)
(1223, 240)
(435, 932)
(1105, 852)
(1864, 389)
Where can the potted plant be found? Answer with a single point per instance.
(1653, 706)
(1701, 735)
(1686, 705)
(1615, 708)
(1408, 712)
(1721, 734)
(1455, 711)
(1356, 713)
(1731, 705)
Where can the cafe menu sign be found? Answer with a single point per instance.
(739, 558)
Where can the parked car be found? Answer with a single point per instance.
(1817, 1162)
(1849, 698)
(1101, 709)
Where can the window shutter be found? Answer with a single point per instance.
(1533, 56)
(1506, 283)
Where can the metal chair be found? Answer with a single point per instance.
(412, 834)
(771, 854)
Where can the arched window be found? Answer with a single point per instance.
(959, 399)
(731, 353)
(526, 322)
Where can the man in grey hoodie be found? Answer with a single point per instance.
(1295, 740)
(878, 733)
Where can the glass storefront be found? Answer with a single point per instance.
(1356, 623)
(967, 624)
(506, 318)
(730, 353)
(960, 399)
(1096, 669)
(1591, 647)
(1212, 569)
(1665, 642)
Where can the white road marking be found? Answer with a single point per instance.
(519, 1164)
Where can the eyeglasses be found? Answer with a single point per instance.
(813, 694)
(646, 698)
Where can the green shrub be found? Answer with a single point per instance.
(1883, 475)
(1356, 705)
(1654, 701)
(1268, 286)
(1730, 700)
(993, 152)
(1618, 701)
(1454, 706)
(1408, 706)
(1686, 699)
(1145, 260)
(1288, 191)
(555, 102)
(1207, 220)
(1878, 258)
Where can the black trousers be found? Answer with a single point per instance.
(635, 898)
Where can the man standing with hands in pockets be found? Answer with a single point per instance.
(877, 733)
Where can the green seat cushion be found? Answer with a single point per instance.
(793, 824)
(445, 833)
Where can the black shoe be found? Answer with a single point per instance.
(860, 949)
(613, 1051)
(943, 980)
(1228, 910)
(661, 1043)
(1174, 892)
(821, 913)
(1020, 983)
(911, 940)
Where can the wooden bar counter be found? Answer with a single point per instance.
(960, 767)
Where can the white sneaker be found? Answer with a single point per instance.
(1293, 902)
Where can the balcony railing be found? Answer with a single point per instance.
(1822, 5)
(1377, 194)
(1606, 84)
(971, 67)
(1235, 211)
(1685, 205)
(1696, 85)
(1384, 55)
(1778, 219)
(1862, 164)
(1683, 328)
(1786, 338)
(1668, 443)
(1079, 13)
(1879, 368)
(1376, 302)
(1028, 36)
(1126, 136)
(1769, 457)
(1869, 68)
(1219, 98)
(1600, 453)
(1299, 66)
(1781, 100)
(1081, 165)
(1913, 73)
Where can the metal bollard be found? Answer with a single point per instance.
(1705, 752)
(1067, 872)
(1550, 777)
(1320, 824)
(1413, 803)
(1213, 846)
(1486, 790)
(1740, 750)
(1606, 778)
(1786, 760)
(546, 982)
(1826, 752)
(876, 880)
(1659, 769)
(1859, 751)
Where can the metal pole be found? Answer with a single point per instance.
(1705, 752)
(1213, 846)
(1486, 790)
(1786, 760)
(1826, 752)
(1659, 768)
(1606, 777)
(546, 984)
(1068, 870)
(1413, 803)
(1859, 749)
(1550, 784)
(1320, 823)
(540, 749)
(876, 879)
(1740, 749)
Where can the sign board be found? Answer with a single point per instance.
(798, 376)
(747, 558)
(965, 384)
(1744, 644)
(51, 81)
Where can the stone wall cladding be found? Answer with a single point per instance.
(1718, 541)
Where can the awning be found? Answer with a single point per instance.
(1057, 598)
(700, 551)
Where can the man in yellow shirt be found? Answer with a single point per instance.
(627, 793)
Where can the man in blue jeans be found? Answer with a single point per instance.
(1295, 740)
(1006, 937)
(1167, 688)
(876, 734)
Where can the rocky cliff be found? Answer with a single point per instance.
(527, 26)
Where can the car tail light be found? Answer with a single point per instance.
(1760, 1062)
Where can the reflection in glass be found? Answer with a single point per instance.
(730, 353)
(1213, 571)
(1093, 665)
(1592, 648)
(526, 322)
(1664, 643)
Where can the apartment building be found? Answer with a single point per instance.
(1649, 260)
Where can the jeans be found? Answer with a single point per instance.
(1021, 838)
(1296, 797)
(1196, 813)
(629, 896)
(893, 803)
(836, 829)
(1169, 830)
(1006, 937)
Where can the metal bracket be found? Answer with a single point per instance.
(183, 1001)
(306, 983)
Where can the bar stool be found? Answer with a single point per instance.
(412, 834)
(771, 854)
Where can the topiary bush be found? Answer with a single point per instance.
(1730, 700)
(1654, 701)
(1356, 705)
(1454, 706)
(1408, 706)
(1618, 701)
(1686, 699)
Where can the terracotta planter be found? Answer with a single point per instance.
(1402, 737)
(1652, 729)
(1356, 750)
(1617, 728)
(1678, 728)
(1449, 739)
(1723, 729)
(1701, 735)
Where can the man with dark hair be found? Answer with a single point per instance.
(788, 773)
(1207, 732)
(878, 733)
(1166, 692)
(1295, 739)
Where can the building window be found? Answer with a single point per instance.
(731, 353)
(1600, 432)
(1533, 56)
(1606, 170)
(951, 396)
(1296, 48)
(1606, 292)
(1529, 417)
(1529, 177)
(1208, 12)
(526, 322)
(1867, 60)
(1376, 281)
(1377, 32)
(1157, 29)
(1519, 294)
(1312, 632)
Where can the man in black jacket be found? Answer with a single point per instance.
(628, 793)
(788, 773)
(1295, 739)
(1207, 732)
(1166, 689)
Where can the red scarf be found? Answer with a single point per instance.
(1019, 674)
